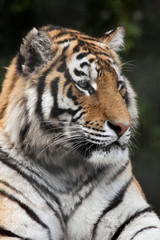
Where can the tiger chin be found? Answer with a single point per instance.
(67, 115)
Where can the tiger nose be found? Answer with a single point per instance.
(119, 128)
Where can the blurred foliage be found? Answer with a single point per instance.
(141, 20)
(92, 16)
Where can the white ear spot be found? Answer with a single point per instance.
(117, 41)
(114, 38)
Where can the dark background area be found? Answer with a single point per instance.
(142, 22)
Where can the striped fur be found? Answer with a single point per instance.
(67, 114)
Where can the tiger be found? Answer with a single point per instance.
(67, 116)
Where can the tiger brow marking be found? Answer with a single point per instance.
(128, 221)
(28, 210)
(114, 203)
(8, 233)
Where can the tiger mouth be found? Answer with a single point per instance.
(88, 147)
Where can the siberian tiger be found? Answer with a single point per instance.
(67, 113)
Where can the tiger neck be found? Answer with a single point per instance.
(68, 174)
(65, 173)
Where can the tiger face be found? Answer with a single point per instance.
(72, 96)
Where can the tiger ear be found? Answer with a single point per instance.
(35, 51)
(114, 38)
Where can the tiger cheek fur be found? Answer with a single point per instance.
(67, 114)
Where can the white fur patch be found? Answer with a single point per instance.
(47, 103)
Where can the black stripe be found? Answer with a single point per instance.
(77, 118)
(66, 40)
(113, 204)
(65, 32)
(77, 47)
(82, 55)
(142, 230)
(65, 49)
(7, 233)
(23, 132)
(79, 73)
(60, 34)
(71, 96)
(90, 39)
(94, 48)
(128, 221)
(50, 128)
(79, 203)
(126, 98)
(11, 187)
(91, 60)
(97, 134)
(62, 67)
(10, 163)
(119, 171)
(56, 110)
(67, 77)
(29, 178)
(102, 53)
(95, 177)
(40, 89)
(84, 64)
(28, 210)
(48, 204)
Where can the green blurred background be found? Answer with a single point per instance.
(142, 22)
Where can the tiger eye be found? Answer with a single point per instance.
(83, 83)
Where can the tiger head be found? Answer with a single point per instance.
(65, 92)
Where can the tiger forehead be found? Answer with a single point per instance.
(64, 35)
(88, 50)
